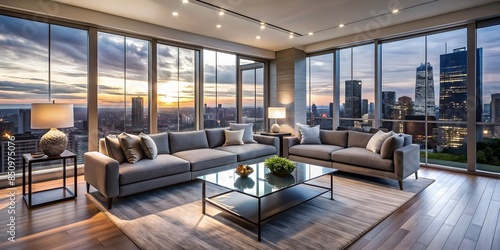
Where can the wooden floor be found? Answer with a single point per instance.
(458, 211)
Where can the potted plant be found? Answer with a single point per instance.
(279, 165)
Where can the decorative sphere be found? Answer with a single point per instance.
(53, 143)
(275, 128)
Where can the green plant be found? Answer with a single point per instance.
(279, 165)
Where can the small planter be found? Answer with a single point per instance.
(279, 165)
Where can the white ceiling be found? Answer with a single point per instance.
(301, 16)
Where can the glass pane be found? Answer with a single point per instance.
(248, 95)
(68, 55)
(111, 84)
(364, 70)
(488, 136)
(187, 82)
(321, 91)
(259, 100)
(168, 102)
(209, 89)
(445, 146)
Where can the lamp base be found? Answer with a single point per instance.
(53, 143)
(275, 128)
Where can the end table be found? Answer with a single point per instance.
(33, 199)
(280, 136)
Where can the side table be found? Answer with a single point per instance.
(280, 136)
(33, 199)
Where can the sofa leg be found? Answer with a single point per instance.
(88, 187)
(400, 185)
(110, 203)
(416, 175)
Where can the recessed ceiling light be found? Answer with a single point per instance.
(257, 37)
(185, 1)
(221, 13)
(262, 26)
(218, 26)
(310, 33)
(341, 25)
(395, 11)
(175, 13)
(291, 35)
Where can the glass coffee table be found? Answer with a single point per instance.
(262, 194)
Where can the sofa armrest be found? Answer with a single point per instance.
(269, 140)
(102, 173)
(406, 161)
(288, 142)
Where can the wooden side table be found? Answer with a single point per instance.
(33, 199)
(280, 136)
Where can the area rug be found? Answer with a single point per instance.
(171, 217)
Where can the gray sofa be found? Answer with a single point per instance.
(182, 156)
(346, 151)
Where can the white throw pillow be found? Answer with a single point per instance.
(234, 137)
(248, 134)
(375, 143)
(309, 135)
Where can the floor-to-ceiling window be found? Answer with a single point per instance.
(488, 126)
(177, 78)
(123, 66)
(319, 93)
(40, 63)
(219, 90)
(252, 85)
(357, 88)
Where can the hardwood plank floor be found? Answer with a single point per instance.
(458, 211)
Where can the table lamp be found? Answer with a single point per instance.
(276, 113)
(52, 116)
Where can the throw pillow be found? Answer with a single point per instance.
(309, 135)
(375, 143)
(161, 141)
(234, 137)
(148, 145)
(114, 148)
(248, 134)
(390, 145)
(131, 146)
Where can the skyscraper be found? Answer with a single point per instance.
(495, 111)
(137, 112)
(453, 94)
(424, 96)
(388, 102)
(315, 110)
(352, 108)
(24, 122)
(364, 106)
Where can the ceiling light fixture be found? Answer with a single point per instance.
(221, 13)
(175, 13)
(291, 35)
(218, 26)
(310, 33)
(262, 26)
(395, 11)
(341, 25)
(257, 37)
(185, 1)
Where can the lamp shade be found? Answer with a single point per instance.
(51, 115)
(276, 112)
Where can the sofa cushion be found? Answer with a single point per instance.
(362, 157)
(148, 146)
(234, 137)
(181, 141)
(147, 169)
(206, 158)
(131, 146)
(375, 143)
(318, 151)
(249, 151)
(248, 134)
(358, 139)
(215, 137)
(161, 141)
(338, 138)
(114, 149)
(308, 135)
(390, 145)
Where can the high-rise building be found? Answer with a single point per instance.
(352, 106)
(364, 106)
(371, 108)
(425, 103)
(453, 95)
(388, 102)
(24, 124)
(137, 112)
(330, 111)
(487, 112)
(315, 110)
(495, 112)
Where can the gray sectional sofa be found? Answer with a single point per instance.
(182, 156)
(346, 151)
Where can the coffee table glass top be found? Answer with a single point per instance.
(262, 182)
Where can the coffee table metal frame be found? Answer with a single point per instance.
(277, 208)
